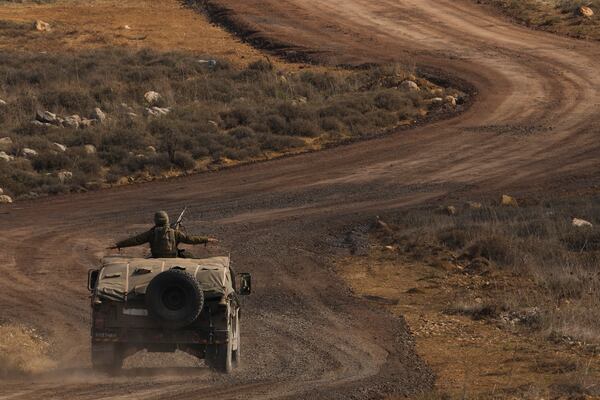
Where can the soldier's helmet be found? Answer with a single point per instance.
(161, 218)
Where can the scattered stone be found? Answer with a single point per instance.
(450, 100)
(2, 102)
(158, 111)
(411, 86)
(4, 199)
(64, 176)
(86, 123)
(6, 157)
(27, 152)
(581, 223)
(41, 26)
(473, 205)
(59, 147)
(151, 149)
(436, 100)
(152, 97)
(450, 210)
(213, 123)
(209, 63)
(46, 117)
(509, 201)
(127, 27)
(89, 149)
(586, 12)
(6, 143)
(72, 121)
(99, 115)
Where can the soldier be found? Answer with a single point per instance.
(163, 238)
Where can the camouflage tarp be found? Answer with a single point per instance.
(124, 277)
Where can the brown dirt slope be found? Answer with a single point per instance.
(534, 127)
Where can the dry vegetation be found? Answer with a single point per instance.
(503, 301)
(219, 113)
(560, 16)
(555, 264)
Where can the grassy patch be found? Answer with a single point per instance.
(553, 266)
(216, 114)
(559, 16)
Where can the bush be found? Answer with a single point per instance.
(185, 161)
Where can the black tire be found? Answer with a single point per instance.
(174, 298)
(220, 356)
(237, 342)
(107, 357)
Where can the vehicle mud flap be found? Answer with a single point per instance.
(219, 356)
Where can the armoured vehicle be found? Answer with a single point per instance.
(164, 305)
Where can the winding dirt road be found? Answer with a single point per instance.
(534, 127)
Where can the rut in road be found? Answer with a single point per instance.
(534, 126)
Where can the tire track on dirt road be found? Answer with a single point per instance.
(534, 126)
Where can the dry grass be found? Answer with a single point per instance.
(559, 16)
(536, 244)
(22, 351)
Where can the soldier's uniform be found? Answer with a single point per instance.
(162, 238)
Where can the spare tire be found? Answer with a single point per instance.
(174, 298)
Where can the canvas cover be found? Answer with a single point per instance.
(123, 278)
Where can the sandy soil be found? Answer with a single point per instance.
(533, 128)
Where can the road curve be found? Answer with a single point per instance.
(534, 126)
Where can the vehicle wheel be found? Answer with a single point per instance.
(174, 298)
(107, 357)
(237, 343)
(220, 356)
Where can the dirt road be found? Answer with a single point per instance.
(534, 126)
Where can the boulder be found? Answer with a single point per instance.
(72, 121)
(585, 11)
(6, 157)
(64, 176)
(89, 149)
(41, 26)
(6, 143)
(27, 152)
(59, 147)
(152, 97)
(99, 115)
(509, 201)
(410, 86)
(581, 223)
(4, 199)
(46, 117)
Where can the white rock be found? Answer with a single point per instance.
(213, 123)
(585, 11)
(437, 100)
(64, 176)
(27, 152)
(99, 115)
(46, 117)
(126, 27)
(451, 100)
(151, 149)
(89, 149)
(152, 97)
(59, 147)
(6, 157)
(410, 86)
(581, 223)
(158, 111)
(4, 199)
(41, 26)
(2, 102)
(210, 63)
(86, 123)
(1, 191)
(6, 143)
(72, 121)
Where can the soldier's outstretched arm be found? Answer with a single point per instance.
(137, 240)
(191, 239)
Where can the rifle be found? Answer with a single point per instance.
(177, 224)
